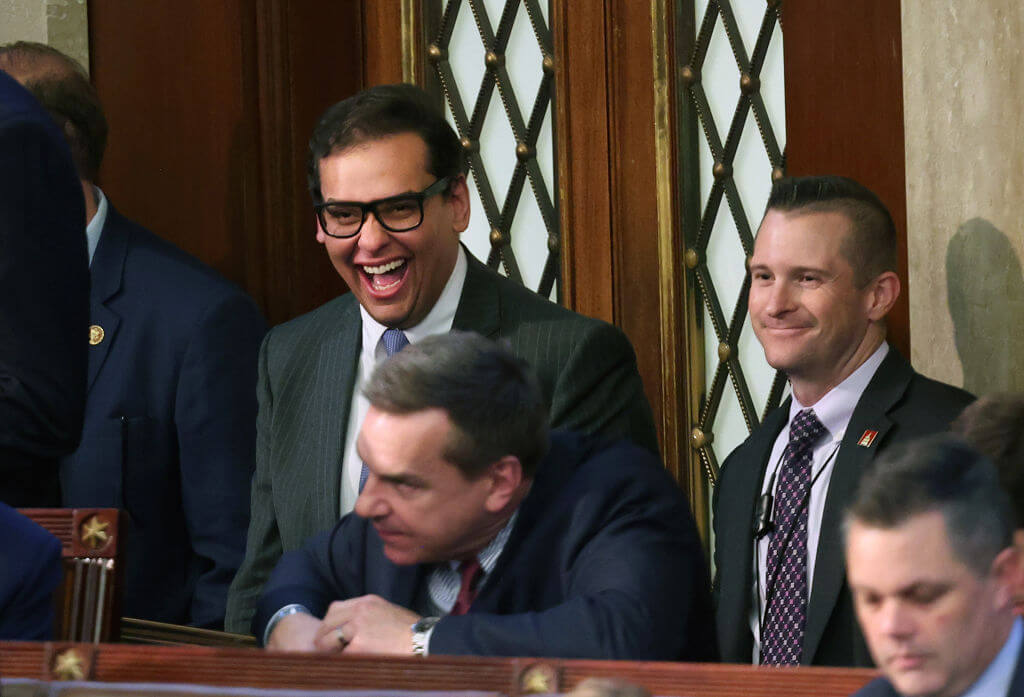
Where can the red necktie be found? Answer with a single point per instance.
(471, 573)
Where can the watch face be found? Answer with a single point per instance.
(424, 624)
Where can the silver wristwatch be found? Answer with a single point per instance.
(421, 633)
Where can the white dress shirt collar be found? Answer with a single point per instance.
(835, 408)
(94, 228)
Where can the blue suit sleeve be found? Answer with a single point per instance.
(309, 576)
(31, 571)
(215, 413)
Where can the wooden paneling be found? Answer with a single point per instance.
(844, 107)
(382, 42)
(583, 156)
(210, 108)
(182, 152)
(607, 175)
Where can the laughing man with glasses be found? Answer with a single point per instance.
(388, 179)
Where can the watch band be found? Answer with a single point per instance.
(421, 634)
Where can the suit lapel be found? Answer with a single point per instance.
(871, 414)
(106, 273)
(738, 555)
(336, 369)
(479, 307)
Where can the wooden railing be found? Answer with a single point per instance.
(89, 598)
(112, 663)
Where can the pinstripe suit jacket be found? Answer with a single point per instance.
(307, 368)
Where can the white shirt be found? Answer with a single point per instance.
(833, 410)
(995, 681)
(438, 321)
(95, 226)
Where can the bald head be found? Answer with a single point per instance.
(62, 86)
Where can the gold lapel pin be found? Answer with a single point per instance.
(95, 334)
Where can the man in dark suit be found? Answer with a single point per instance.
(822, 282)
(932, 568)
(387, 176)
(170, 418)
(44, 310)
(30, 559)
(472, 537)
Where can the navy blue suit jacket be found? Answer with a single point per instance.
(44, 312)
(170, 423)
(604, 561)
(31, 570)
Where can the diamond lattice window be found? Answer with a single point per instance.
(733, 80)
(494, 62)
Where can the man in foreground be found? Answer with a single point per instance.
(931, 566)
(822, 283)
(479, 533)
(387, 175)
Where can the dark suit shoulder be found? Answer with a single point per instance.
(520, 304)
(161, 265)
(595, 470)
(18, 105)
(312, 328)
(944, 402)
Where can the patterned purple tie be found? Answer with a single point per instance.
(393, 340)
(782, 633)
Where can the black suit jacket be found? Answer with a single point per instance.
(170, 425)
(44, 300)
(880, 687)
(586, 368)
(604, 561)
(900, 405)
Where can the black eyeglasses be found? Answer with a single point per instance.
(399, 213)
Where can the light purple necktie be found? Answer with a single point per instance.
(782, 633)
(393, 340)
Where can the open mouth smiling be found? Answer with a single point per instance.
(385, 276)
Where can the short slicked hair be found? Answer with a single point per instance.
(492, 398)
(942, 474)
(379, 112)
(62, 86)
(871, 245)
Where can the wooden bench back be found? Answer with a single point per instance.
(88, 600)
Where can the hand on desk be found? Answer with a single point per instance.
(368, 624)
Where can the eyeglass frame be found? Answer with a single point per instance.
(420, 197)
